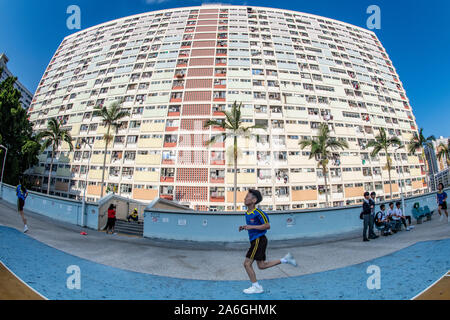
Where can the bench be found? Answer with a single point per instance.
(421, 212)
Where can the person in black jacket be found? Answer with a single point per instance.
(366, 212)
(372, 199)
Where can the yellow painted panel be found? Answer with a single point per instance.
(413, 160)
(101, 129)
(95, 174)
(98, 158)
(394, 188)
(153, 127)
(145, 194)
(94, 190)
(144, 176)
(240, 196)
(354, 192)
(304, 195)
(242, 178)
(417, 185)
(75, 130)
(148, 159)
(150, 143)
(100, 144)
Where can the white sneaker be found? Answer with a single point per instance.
(408, 228)
(441, 218)
(290, 259)
(254, 289)
(411, 227)
(25, 229)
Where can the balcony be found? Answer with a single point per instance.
(218, 180)
(167, 196)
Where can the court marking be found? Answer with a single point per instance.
(18, 279)
(433, 285)
(102, 282)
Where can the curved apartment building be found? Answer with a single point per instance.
(177, 68)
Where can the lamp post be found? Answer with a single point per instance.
(3, 167)
(83, 224)
(401, 183)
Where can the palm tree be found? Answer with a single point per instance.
(233, 129)
(321, 149)
(383, 142)
(420, 142)
(444, 151)
(54, 136)
(110, 118)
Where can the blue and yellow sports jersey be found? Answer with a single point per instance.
(255, 218)
(20, 194)
(441, 197)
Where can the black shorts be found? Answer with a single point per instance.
(20, 204)
(111, 223)
(443, 205)
(257, 249)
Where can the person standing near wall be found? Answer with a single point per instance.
(22, 194)
(366, 212)
(111, 219)
(257, 226)
(442, 202)
(372, 202)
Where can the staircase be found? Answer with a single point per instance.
(132, 228)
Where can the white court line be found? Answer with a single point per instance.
(445, 275)
(23, 281)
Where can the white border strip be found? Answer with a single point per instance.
(429, 287)
(23, 281)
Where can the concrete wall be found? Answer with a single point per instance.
(204, 226)
(57, 208)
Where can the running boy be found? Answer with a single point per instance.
(22, 194)
(257, 226)
(442, 202)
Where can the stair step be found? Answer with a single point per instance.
(131, 228)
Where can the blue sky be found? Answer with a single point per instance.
(415, 33)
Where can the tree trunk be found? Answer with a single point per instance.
(50, 172)
(235, 172)
(390, 181)
(324, 168)
(104, 161)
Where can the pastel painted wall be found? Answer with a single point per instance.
(223, 226)
(57, 208)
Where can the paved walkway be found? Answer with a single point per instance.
(120, 267)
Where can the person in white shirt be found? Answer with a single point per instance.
(382, 220)
(402, 216)
(393, 216)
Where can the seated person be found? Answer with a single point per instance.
(394, 218)
(133, 216)
(403, 218)
(382, 220)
